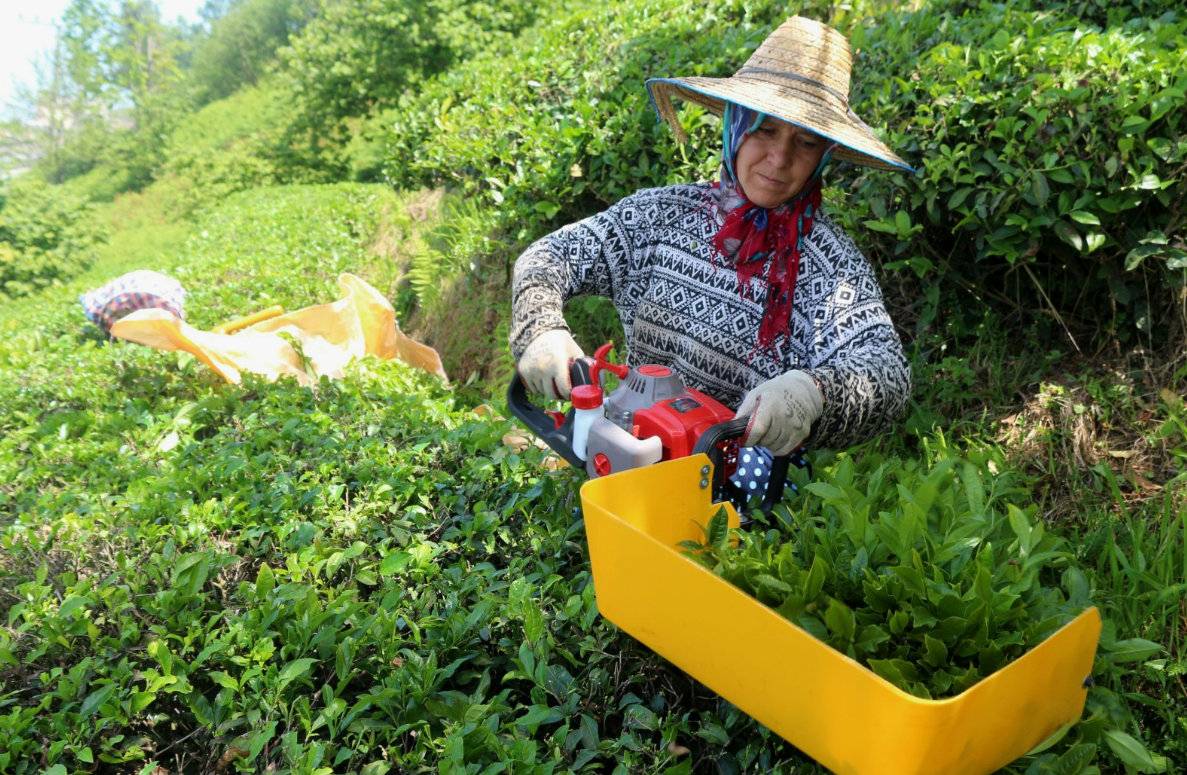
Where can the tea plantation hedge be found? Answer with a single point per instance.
(1049, 146)
(47, 236)
(358, 577)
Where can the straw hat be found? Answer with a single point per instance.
(800, 74)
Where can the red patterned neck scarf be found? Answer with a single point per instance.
(754, 238)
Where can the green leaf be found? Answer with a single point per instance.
(1149, 182)
(394, 562)
(1055, 737)
(772, 586)
(1131, 752)
(258, 740)
(224, 680)
(533, 621)
(871, 637)
(1082, 216)
(95, 699)
(72, 604)
(1068, 234)
(376, 768)
(961, 194)
(888, 669)
(85, 755)
(1134, 125)
(141, 700)
(1164, 102)
(840, 620)
(884, 226)
(719, 532)
(1021, 527)
(538, 714)
(265, 582)
(902, 222)
(1134, 650)
(935, 653)
(1139, 254)
(713, 733)
(640, 717)
(295, 669)
(1039, 187)
(814, 582)
(547, 209)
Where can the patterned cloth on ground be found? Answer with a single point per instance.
(141, 289)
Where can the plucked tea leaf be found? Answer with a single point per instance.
(935, 653)
(840, 620)
(815, 579)
(871, 637)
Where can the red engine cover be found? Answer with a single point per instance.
(680, 421)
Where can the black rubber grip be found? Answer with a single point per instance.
(710, 444)
(559, 440)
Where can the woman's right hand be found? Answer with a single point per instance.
(544, 365)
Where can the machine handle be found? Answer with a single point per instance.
(710, 444)
(559, 439)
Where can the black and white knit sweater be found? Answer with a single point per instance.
(680, 306)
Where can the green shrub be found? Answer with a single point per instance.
(1051, 158)
(1050, 151)
(241, 46)
(562, 126)
(355, 58)
(47, 237)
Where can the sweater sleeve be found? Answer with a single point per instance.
(856, 356)
(590, 257)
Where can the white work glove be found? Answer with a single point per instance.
(544, 365)
(781, 411)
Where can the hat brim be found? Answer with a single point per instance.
(806, 107)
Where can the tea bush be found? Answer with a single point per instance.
(1051, 175)
(1051, 161)
(563, 127)
(353, 578)
(47, 236)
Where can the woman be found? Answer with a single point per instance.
(743, 287)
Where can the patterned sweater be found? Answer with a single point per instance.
(652, 255)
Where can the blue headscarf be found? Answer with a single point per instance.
(755, 238)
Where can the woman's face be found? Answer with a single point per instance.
(776, 160)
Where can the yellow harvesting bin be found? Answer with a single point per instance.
(835, 710)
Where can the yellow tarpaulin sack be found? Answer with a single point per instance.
(330, 336)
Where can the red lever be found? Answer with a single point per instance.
(557, 417)
(600, 364)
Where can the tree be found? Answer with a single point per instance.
(243, 40)
(122, 59)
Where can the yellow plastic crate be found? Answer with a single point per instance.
(838, 712)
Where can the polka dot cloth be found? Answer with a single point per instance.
(754, 471)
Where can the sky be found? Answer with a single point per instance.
(27, 32)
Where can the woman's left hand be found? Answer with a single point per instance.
(781, 411)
